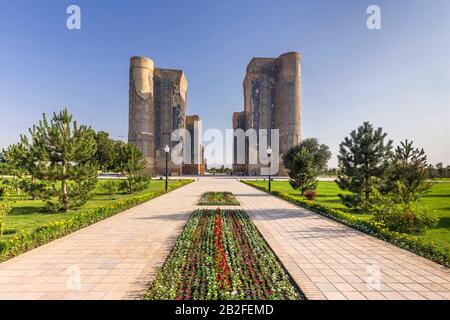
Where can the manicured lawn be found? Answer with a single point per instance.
(437, 200)
(327, 192)
(28, 215)
(221, 255)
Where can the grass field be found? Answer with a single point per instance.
(28, 215)
(437, 200)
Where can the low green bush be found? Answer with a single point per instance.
(372, 227)
(5, 209)
(399, 213)
(26, 241)
(402, 217)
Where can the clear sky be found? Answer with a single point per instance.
(397, 77)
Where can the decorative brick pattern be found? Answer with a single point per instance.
(272, 101)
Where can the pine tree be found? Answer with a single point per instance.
(410, 168)
(364, 158)
(130, 160)
(65, 156)
(22, 164)
(302, 174)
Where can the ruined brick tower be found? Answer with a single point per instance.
(271, 101)
(157, 107)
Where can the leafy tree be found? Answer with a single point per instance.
(440, 170)
(4, 187)
(118, 145)
(105, 150)
(410, 167)
(130, 160)
(305, 162)
(65, 155)
(5, 209)
(363, 163)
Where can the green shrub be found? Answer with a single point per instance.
(135, 183)
(5, 209)
(399, 216)
(141, 182)
(311, 195)
(5, 187)
(404, 217)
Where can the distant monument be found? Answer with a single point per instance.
(157, 107)
(271, 101)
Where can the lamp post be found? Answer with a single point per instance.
(269, 153)
(166, 150)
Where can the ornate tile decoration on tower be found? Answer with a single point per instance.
(157, 107)
(271, 101)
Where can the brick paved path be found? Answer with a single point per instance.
(117, 258)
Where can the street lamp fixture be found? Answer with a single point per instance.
(166, 150)
(269, 153)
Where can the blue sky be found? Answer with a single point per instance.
(397, 77)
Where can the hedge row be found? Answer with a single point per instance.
(405, 241)
(26, 241)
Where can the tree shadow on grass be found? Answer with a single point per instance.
(444, 222)
(436, 196)
(28, 210)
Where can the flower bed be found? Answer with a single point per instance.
(405, 241)
(26, 241)
(218, 199)
(221, 255)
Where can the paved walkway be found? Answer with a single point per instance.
(117, 258)
(112, 259)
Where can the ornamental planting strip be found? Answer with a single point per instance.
(221, 255)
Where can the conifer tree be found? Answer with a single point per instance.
(410, 168)
(364, 158)
(65, 156)
(130, 160)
